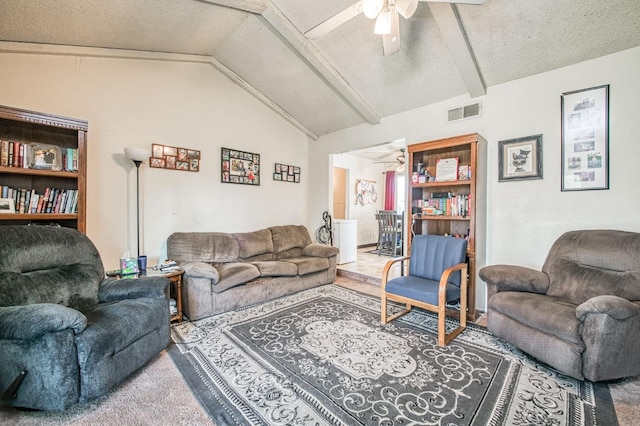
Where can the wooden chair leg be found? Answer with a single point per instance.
(442, 325)
(383, 309)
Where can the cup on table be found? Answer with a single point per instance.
(142, 263)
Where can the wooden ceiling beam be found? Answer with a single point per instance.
(448, 20)
(318, 63)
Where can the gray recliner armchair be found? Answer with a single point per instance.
(581, 313)
(67, 334)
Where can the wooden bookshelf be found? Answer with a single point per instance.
(18, 125)
(469, 150)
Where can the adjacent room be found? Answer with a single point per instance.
(282, 178)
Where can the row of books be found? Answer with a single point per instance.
(52, 201)
(38, 156)
(450, 205)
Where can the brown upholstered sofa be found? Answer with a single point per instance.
(226, 271)
(581, 313)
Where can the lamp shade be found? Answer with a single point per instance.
(137, 154)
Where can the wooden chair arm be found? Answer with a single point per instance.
(387, 268)
(444, 279)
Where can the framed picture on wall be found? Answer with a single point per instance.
(585, 139)
(520, 158)
(240, 167)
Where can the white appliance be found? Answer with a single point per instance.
(345, 237)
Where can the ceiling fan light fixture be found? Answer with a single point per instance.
(400, 168)
(383, 22)
(371, 8)
(406, 7)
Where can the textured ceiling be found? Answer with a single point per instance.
(342, 78)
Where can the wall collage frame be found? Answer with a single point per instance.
(286, 173)
(174, 158)
(240, 167)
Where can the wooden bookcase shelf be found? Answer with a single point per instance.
(470, 151)
(18, 125)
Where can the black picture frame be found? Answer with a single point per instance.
(239, 167)
(585, 139)
(520, 158)
(286, 173)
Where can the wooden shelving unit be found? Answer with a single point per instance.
(18, 125)
(470, 151)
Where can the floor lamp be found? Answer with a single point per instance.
(138, 155)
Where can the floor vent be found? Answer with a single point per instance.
(464, 112)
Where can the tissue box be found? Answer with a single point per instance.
(129, 266)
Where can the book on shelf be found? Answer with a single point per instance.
(38, 156)
(53, 200)
(448, 204)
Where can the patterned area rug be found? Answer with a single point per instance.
(321, 357)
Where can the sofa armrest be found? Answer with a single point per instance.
(613, 306)
(32, 321)
(201, 270)
(113, 289)
(319, 250)
(610, 330)
(514, 278)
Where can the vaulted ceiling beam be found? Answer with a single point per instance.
(252, 6)
(448, 20)
(276, 19)
(261, 97)
(273, 17)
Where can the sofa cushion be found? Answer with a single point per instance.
(585, 264)
(42, 264)
(254, 243)
(544, 313)
(208, 247)
(308, 265)
(113, 326)
(233, 274)
(289, 237)
(276, 268)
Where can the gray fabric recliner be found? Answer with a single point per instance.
(74, 333)
(581, 313)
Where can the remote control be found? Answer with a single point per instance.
(113, 273)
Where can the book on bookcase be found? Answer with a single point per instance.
(53, 200)
(37, 156)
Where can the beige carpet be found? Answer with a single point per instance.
(157, 395)
(154, 395)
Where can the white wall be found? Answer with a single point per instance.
(359, 168)
(136, 102)
(525, 217)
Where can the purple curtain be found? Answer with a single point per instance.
(390, 191)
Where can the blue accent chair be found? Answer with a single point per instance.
(437, 276)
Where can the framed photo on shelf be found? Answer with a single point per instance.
(240, 167)
(520, 159)
(7, 205)
(446, 169)
(585, 139)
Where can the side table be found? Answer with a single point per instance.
(175, 288)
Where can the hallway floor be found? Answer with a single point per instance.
(368, 267)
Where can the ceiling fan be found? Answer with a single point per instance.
(400, 160)
(385, 12)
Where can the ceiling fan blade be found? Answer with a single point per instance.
(455, 1)
(391, 41)
(335, 21)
